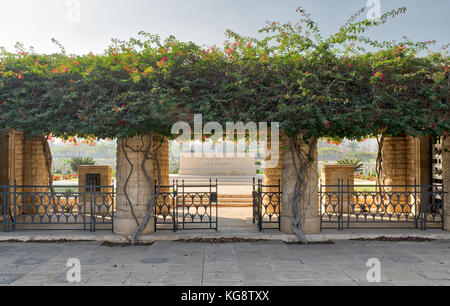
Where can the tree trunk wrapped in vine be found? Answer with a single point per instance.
(304, 201)
(136, 157)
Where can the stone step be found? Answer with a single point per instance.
(235, 196)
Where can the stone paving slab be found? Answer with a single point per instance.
(272, 263)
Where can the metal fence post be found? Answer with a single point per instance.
(112, 208)
(415, 204)
(260, 205)
(217, 205)
(6, 204)
(443, 208)
(340, 205)
(320, 205)
(348, 204)
(210, 204)
(422, 210)
(14, 220)
(279, 205)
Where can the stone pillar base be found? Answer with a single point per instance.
(127, 226)
(311, 225)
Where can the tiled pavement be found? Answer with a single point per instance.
(250, 263)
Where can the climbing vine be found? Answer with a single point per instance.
(341, 86)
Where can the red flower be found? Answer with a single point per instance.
(164, 59)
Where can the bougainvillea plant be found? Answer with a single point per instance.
(341, 86)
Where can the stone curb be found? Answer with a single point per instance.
(289, 238)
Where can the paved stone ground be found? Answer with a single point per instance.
(251, 263)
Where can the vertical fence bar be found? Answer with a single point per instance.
(348, 204)
(5, 207)
(84, 206)
(91, 193)
(183, 203)
(112, 207)
(416, 217)
(14, 220)
(340, 205)
(341, 218)
(260, 206)
(321, 205)
(279, 205)
(174, 205)
(217, 205)
(443, 207)
(422, 210)
(210, 204)
(8, 206)
(253, 200)
(155, 209)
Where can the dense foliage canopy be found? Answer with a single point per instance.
(325, 87)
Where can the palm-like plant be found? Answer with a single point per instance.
(356, 162)
(81, 161)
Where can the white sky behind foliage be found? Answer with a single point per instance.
(35, 22)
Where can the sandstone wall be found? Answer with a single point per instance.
(406, 160)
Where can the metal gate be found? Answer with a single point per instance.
(37, 207)
(266, 205)
(183, 206)
(346, 206)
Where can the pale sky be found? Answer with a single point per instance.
(35, 22)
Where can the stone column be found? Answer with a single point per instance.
(310, 200)
(406, 161)
(163, 159)
(23, 163)
(4, 157)
(446, 180)
(34, 173)
(16, 157)
(138, 187)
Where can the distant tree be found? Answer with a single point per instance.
(330, 153)
(81, 161)
(363, 156)
(352, 146)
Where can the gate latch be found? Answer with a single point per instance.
(214, 197)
